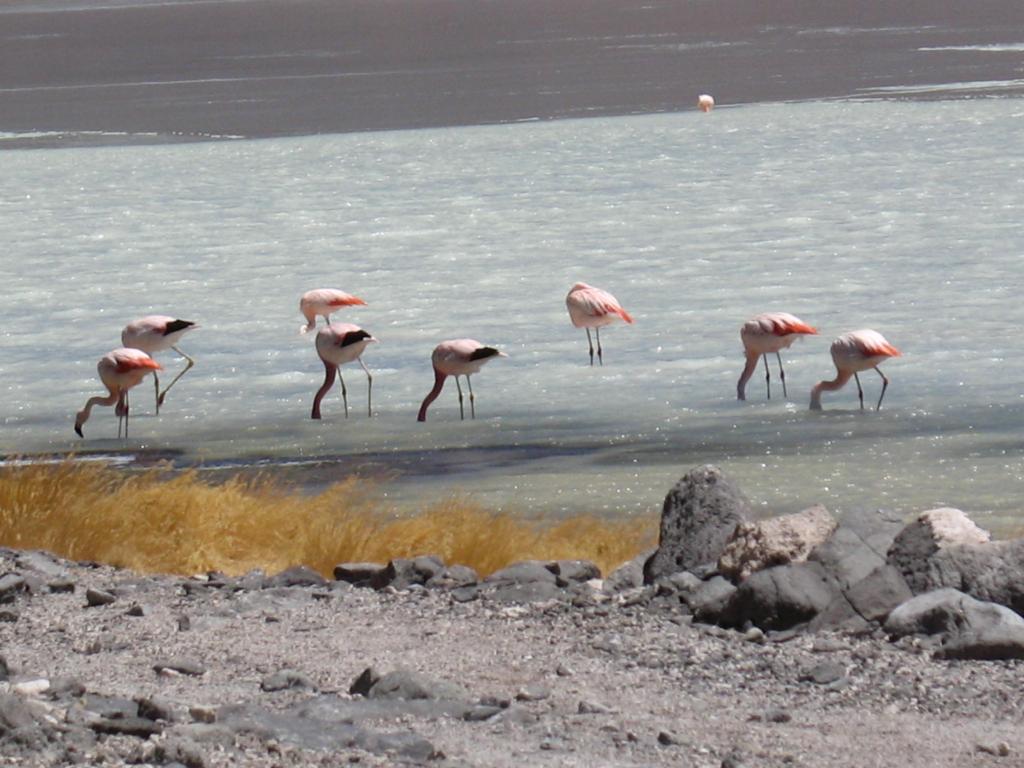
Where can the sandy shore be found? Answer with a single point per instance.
(582, 682)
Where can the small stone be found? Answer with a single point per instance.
(9, 616)
(180, 666)
(284, 680)
(777, 716)
(97, 597)
(202, 713)
(591, 708)
(59, 586)
(135, 610)
(563, 671)
(1002, 749)
(754, 635)
(184, 624)
(824, 673)
(32, 687)
(668, 739)
(533, 693)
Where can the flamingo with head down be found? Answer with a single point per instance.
(119, 370)
(853, 352)
(457, 357)
(336, 344)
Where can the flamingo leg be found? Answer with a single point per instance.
(472, 407)
(590, 343)
(462, 412)
(860, 392)
(600, 358)
(344, 392)
(885, 383)
(156, 388)
(782, 377)
(369, 389)
(189, 363)
(767, 377)
(127, 410)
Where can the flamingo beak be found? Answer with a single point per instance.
(78, 430)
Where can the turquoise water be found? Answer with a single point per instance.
(902, 217)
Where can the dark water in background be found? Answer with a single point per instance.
(171, 70)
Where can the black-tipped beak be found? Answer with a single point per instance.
(78, 430)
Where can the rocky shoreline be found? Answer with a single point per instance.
(796, 641)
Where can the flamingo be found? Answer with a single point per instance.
(457, 357)
(768, 332)
(323, 301)
(155, 333)
(119, 370)
(591, 307)
(705, 102)
(339, 343)
(852, 352)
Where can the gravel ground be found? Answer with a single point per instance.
(589, 682)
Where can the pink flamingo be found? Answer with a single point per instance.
(852, 352)
(705, 102)
(591, 307)
(119, 370)
(339, 343)
(155, 333)
(457, 357)
(324, 301)
(768, 332)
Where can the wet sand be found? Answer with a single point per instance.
(106, 71)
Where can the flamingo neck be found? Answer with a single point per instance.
(330, 371)
(83, 415)
(432, 395)
(828, 386)
(748, 371)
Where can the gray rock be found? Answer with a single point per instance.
(699, 515)
(364, 682)
(296, 576)
(61, 586)
(986, 644)
(574, 570)
(629, 575)
(98, 597)
(402, 573)
(360, 574)
(62, 687)
(155, 708)
(824, 673)
(754, 546)
(11, 585)
(874, 596)
(839, 616)
(109, 706)
(139, 727)
(529, 592)
(284, 680)
(406, 684)
(780, 597)
(710, 598)
(858, 546)
(41, 562)
(14, 714)
(949, 612)
(454, 577)
(525, 572)
(181, 750)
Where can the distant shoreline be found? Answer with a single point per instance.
(163, 72)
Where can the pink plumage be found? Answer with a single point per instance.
(156, 333)
(854, 352)
(591, 307)
(457, 357)
(769, 332)
(321, 302)
(119, 370)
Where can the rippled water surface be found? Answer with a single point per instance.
(903, 217)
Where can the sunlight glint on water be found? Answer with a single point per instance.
(903, 217)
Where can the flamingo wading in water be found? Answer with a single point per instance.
(765, 333)
(457, 357)
(155, 333)
(853, 352)
(119, 370)
(322, 302)
(339, 343)
(591, 307)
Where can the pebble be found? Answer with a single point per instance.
(97, 597)
(1002, 749)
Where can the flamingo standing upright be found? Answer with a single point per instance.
(339, 343)
(322, 302)
(765, 333)
(852, 352)
(119, 370)
(457, 357)
(155, 333)
(705, 102)
(591, 307)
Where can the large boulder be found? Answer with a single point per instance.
(944, 548)
(776, 541)
(699, 515)
(858, 546)
(781, 597)
(930, 533)
(968, 628)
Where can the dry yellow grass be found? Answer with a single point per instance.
(165, 522)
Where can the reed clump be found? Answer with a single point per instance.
(160, 521)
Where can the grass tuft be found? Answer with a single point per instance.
(165, 522)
